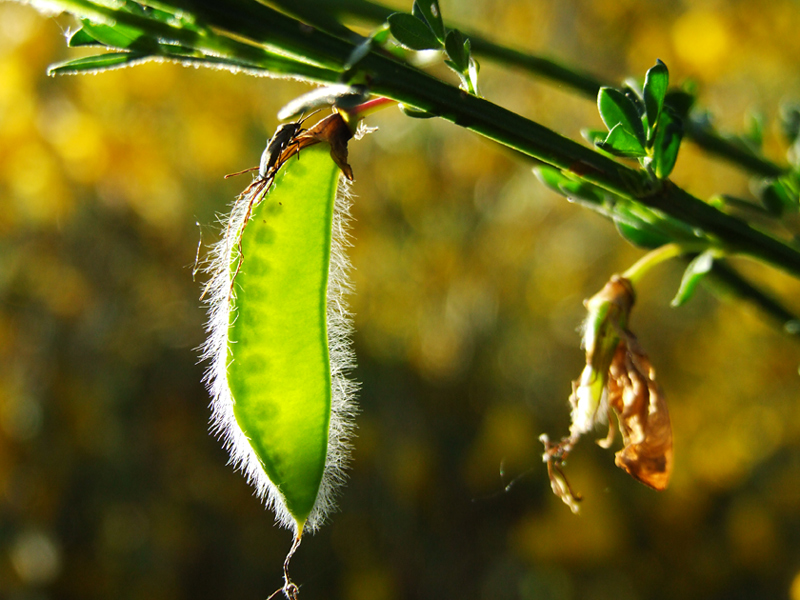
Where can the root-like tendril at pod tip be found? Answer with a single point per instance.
(289, 588)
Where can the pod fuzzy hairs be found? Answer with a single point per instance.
(220, 300)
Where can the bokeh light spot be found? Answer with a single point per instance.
(701, 40)
(36, 185)
(20, 416)
(36, 557)
(794, 590)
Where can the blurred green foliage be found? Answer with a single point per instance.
(469, 278)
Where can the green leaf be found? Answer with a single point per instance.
(617, 109)
(561, 184)
(431, 13)
(412, 33)
(593, 136)
(580, 190)
(457, 51)
(666, 144)
(644, 227)
(697, 269)
(81, 39)
(279, 368)
(120, 36)
(620, 142)
(641, 236)
(551, 177)
(656, 83)
(637, 215)
(100, 62)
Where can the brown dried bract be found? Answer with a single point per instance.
(617, 378)
(332, 130)
(641, 409)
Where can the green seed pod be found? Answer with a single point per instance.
(279, 338)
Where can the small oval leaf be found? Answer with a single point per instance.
(454, 46)
(120, 36)
(620, 142)
(432, 14)
(82, 39)
(617, 109)
(656, 83)
(551, 177)
(412, 33)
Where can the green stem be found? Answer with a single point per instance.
(655, 257)
(736, 235)
(723, 281)
(388, 77)
(367, 108)
(584, 83)
(425, 93)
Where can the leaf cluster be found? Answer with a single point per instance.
(424, 29)
(641, 123)
(644, 122)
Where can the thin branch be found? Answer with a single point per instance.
(587, 85)
(249, 21)
(725, 282)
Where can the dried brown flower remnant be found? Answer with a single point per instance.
(554, 455)
(639, 404)
(606, 322)
(332, 129)
(618, 378)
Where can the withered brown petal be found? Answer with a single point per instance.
(333, 130)
(641, 408)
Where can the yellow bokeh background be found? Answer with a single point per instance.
(470, 278)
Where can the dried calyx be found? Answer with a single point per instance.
(333, 130)
(618, 379)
